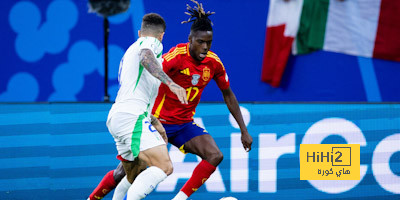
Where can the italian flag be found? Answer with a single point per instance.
(282, 25)
(367, 28)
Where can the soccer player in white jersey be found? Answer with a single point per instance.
(129, 120)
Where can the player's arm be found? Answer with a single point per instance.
(148, 61)
(159, 127)
(233, 106)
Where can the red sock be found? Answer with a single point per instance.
(105, 186)
(200, 174)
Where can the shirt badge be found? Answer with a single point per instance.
(195, 79)
(206, 74)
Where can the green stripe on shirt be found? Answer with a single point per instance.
(137, 134)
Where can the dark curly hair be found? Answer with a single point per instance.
(199, 17)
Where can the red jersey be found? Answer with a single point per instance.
(190, 74)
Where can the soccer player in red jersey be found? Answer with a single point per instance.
(193, 66)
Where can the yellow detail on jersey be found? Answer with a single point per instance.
(179, 49)
(158, 110)
(203, 180)
(174, 53)
(186, 71)
(213, 55)
(189, 90)
(182, 150)
(187, 49)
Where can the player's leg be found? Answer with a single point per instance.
(205, 147)
(119, 173)
(108, 183)
(202, 144)
(132, 134)
(104, 187)
(160, 166)
(146, 144)
(124, 184)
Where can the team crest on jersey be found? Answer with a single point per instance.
(195, 79)
(206, 74)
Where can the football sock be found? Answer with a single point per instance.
(145, 183)
(200, 174)
(105, 186)
(180, 196)
(122, 189)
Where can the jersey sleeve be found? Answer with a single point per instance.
(221, 77)
(151, 43)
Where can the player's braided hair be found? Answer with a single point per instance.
(199, 17)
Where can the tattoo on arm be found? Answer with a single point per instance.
(148, 61)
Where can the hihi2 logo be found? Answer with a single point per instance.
(329, 162)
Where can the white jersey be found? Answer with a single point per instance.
(138, 88)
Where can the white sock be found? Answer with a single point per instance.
(180, 196)
(121, 189)
(145, 183)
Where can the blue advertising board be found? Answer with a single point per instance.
(62, 151)
(53, 51)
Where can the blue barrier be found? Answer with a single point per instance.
(61, 151)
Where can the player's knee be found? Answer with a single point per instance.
(219, 156)
(167, 168)
(215, 158)
(119, 173)
(130, 177)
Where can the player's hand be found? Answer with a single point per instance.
(165, 138)
(160, 128)
(247, 140)
(179, 92)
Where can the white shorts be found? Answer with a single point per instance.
(133, 134)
